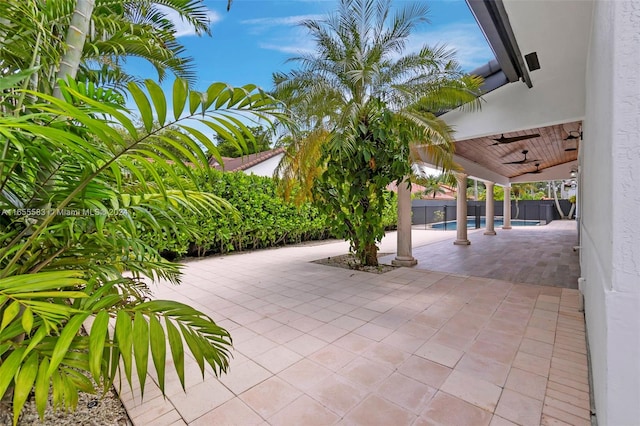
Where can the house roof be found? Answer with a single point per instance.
(246, 161)
(415, 189)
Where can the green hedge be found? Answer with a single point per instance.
(265, 219)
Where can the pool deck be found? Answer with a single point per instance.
(320, 345)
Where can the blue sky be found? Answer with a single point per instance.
(256, 37)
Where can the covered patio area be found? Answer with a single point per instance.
(321, 345)
(543, 255)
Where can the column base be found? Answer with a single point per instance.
(462, 242)
(506, 227)
(404, 261)
(489, 232)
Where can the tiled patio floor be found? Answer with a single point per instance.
(319, 345)
(540, 255)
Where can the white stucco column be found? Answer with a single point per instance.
(506, 224)
(404, 256)
(489, 208)
(461, 211)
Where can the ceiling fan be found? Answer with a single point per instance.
(524, 160)
(536, 171)
(504, 140)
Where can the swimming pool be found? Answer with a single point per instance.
(471, 223)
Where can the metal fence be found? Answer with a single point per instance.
(427, 212)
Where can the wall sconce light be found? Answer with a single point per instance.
(573, 134)
(574, 172)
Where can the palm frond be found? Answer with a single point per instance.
(80, 185)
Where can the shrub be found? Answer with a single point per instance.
(263, 219)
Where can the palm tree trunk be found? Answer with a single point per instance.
(555, 198)
(76, 36)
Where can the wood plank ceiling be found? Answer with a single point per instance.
(547, 150)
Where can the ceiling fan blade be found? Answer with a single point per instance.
(536, 171)
(525, 160)
(504, 140)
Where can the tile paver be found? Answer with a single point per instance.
(406, 392)
(304, 411)
(472, 390)
(445, 409)
(321, 345)
(376, 411)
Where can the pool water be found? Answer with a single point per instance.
(471, 223)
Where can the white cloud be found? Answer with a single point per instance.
(295, 40)
(262, 24)
(183, 28)
(290, 49)
(466, 40)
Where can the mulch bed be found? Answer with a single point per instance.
(349, 261)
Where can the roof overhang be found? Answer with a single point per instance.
(558, 31)
(494, 23)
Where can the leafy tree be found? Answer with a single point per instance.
(234, 148)
(526, 191)
(361, 104)
(352, 190)
(76, 198)
(572, 200)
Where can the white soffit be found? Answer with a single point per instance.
(559, 32)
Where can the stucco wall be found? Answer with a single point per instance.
(266, 168)
(610, 197)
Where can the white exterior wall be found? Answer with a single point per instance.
(266, 168)
(610, 210)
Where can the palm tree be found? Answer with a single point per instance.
(432, 185)
(360, 70)
(76, 36)
(92, 38)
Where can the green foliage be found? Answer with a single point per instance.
(438, 216)
(263, 219)
(358, 69)
(433, 185)
(528, 191)
(360, 163)
(77, 197)
(32, 33)
(230, 148)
